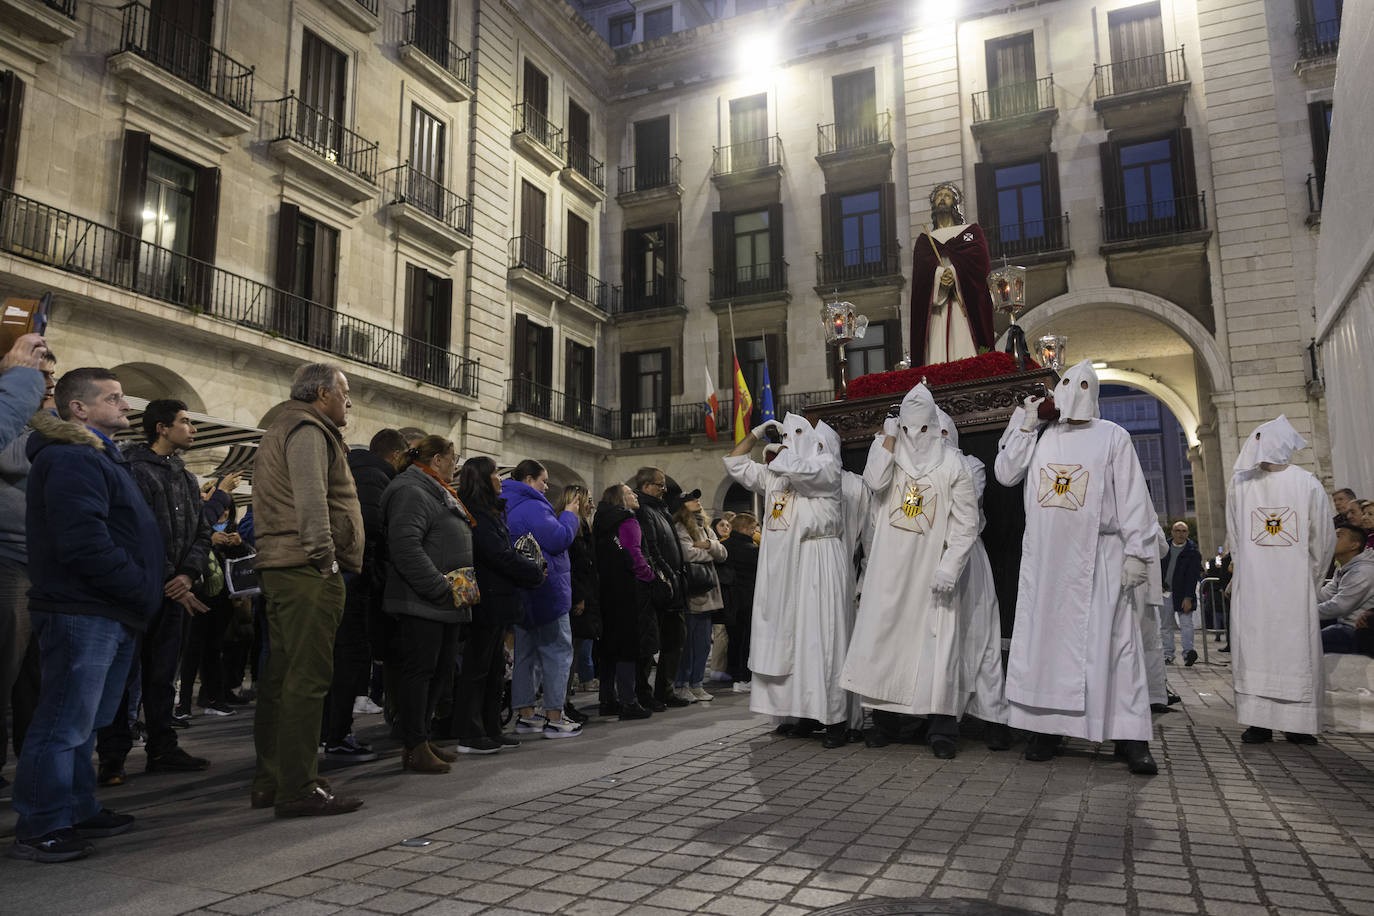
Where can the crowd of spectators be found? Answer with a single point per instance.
(396, 578)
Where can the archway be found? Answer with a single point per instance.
(150, 382)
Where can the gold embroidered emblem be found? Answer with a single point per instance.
(1062, 486)
(1274, 526)
(915, 508)
(779, 511)
(911, 501)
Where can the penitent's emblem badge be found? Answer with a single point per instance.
(1274, 527)
(1063, 486)
(915, 507)
(779, 511)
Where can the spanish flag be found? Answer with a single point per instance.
(744, 405)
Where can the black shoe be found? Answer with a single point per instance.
(318, 804)
(176, 761)
(674, 702)
(234, 699)
(1168, 659)
(181, 718)
(1226, 648)
(653, 705)
(481, 745)
(944, 748)
(572, 712)
(110, 773)
(1042, 747)
(1160, 707)
(997, 736)
(1188, 658)
(104, 823)
(834, 737)
(1173, 698)
(58, 846)
(1138, 759)
(507, 742)
(853, 736)
(631, 711)
(1256, 735)
(785, 729)
(805, 728)
(610, 709)
(1300, 738)
(874, 737)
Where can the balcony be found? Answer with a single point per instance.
(752, 162)
(537, 138)
(1317, 44)
(425, 48)
(760, 282)
(425, 209)
(856, 150)
(535, 268)
(593, 295)
(34, 28)
(584, 173)
(96, 253)
(1159, 223)
(875, 265)
(656, 296)
(683, 421)
(323, 149)
(1315, 189)
(363, 15)
(1144, 91)
(649, 186)
(1017, 118)
(1031, 241)
(162, 60)
(541, 402)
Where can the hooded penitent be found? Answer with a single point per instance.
(1271, 443)
(795, 433)
(826, 441)
(1076, 393)
(919, 443)
(948, 429)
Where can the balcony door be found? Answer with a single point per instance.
(535, 96)
(651, 154)
(178, 38)
(426, 176)
(579, 386)
(1011, 76)
(859, 234)
(650, 267)
(1150, 187)
(532, 253)
(748, 133)
(432, 29)
(429, 318)
(1136, 38)
(856, 110)
(323, 91)
(531, 367)
(579, 138)
(307, 275)
(577, 251)
(645, 388)
(747, 252)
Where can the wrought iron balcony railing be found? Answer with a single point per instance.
(529, 254)
(530, 120)
(529, 397)
(369, 5)
(749, 280)
(658, 293)
(1000, 102)
(65, 7)
(185, 56)
(857, 264)
(585, 164)
(66, 242)
(747, 156)
(665, 174)
(583, 285)
(433, 42)
(1153, 71)
(325, 137)
(1319, 39)
(690, 419)
(1154, 219)
(854, 135)
(407, 185)
(1028, 237)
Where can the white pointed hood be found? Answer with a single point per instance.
(947, 425)
(1076, 393)
(796, 436)
(919, 443)
(1271, 443)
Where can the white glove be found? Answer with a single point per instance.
(1133, 573)
(771, 449)
(891, 427)
(942, 585)
(1030, 420)
(758, 431)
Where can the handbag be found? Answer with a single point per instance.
(699, 578)
(463, 582)
(661, 590)
(240, 577)
(212, 582)
(529, 548)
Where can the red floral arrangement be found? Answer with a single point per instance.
(985, 365)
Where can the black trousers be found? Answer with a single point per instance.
(201, 652)
(425, 652)
(672, 634)
(607, 672)
(352, 662)
(477, 700)
(158, 649)
(737, 648)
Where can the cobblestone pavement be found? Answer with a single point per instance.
(744, 823)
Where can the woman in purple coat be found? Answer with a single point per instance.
(544, 637)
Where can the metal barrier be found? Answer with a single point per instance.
(1217, 605)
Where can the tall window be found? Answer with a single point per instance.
(167, 202)
(536, 99)
(1147, 179)
(869, 354)
(1150, 187)
(320, 115)
(748, 133)
(579, 372)
(658, 23)
(645, 388)
(856, 110)
(622, 30)
(859, 234)
(178, 38)
(1011, 75)
(532, 253)
(1319, 27)
(861, 227)
(753, 353)
(1136, 37)
(307, 271)
(317, 261)
(577, 251)
(747, 252)
(429, 317)
(650, 266)
(579, 138)
(426, 179)
(651, 154)
(432, 29)
(752, 263)
(1020, 203)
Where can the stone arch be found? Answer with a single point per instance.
(1171, 399)
(150, 382)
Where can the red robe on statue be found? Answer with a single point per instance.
(967, 253)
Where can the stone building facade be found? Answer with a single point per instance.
(538, 225)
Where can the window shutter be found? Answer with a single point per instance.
(520, 352)
(589, 374)
(669, 387)
(205, 214)
(133, 176)
(627, 263)
(830, 238)
(722, 250)
(414, 323)
(1316, 120)
(775, 246)
(985, 184)
(1112, 193)
(1185, 180)
(443, 314)
(544, 371)
(887, 217)
(670, 264)
(775, 348)
(569, 380)
(287, 220)
(1054, 215)
(629, 386)
(11, 120)
(323, 286)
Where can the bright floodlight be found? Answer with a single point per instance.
(758, 52)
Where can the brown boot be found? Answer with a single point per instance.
(421, 759)
(445, 756)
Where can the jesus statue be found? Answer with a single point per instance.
(951, 309)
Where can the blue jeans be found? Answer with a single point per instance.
(85, 661)
(1170, 620)
(1339, 639)
(586, 666)
(692, 669)
(549, 647)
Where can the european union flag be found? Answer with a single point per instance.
(767, 398)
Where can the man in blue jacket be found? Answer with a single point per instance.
(95, 563)
(1181, 567)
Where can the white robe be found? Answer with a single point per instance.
(1149, 602)
(905, 654)
(800, 629)
(948, 318)
(1278, 525)
(976, 598)
(1076, 666)
(858, 533)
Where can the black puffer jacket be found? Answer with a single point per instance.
(371, 475)
(585, 585)
(744, 567)
(502, 572)
(629, 623)
(174, 497)
(661, 547)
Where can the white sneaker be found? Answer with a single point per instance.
(740, 687)
(683, 693)
(530, 725)
(363, 706)
(562, 728)
(701, 694)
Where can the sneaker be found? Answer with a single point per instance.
(530, 725)
(57, 846)
(684, 693)
(138, 733)
(572, 712)
(741, 687)
(104, 823)
(593, 685)
(176, 761)
(181, 717)
(478, 746)
(363, 706)
(111, 773)
(506, 742)
(721, 677)
(701, 694)
(1188, 658)
(1168, 659)
(562, 728)
(218, 709)
(350, 750)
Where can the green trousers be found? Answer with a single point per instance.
(303, 612)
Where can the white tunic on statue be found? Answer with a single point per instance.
(905, 654)
(800, 627)
(1278, 524)
(1076, 666)
(948, 322)
(976, 598)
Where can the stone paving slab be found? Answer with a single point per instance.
(707, 811)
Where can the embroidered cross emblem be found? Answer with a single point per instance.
(1062, 486)
(915, 508)
(1274, 526)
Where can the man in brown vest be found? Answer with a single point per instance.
(309, 531)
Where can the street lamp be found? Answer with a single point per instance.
(841, 326)
(1008, 286)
